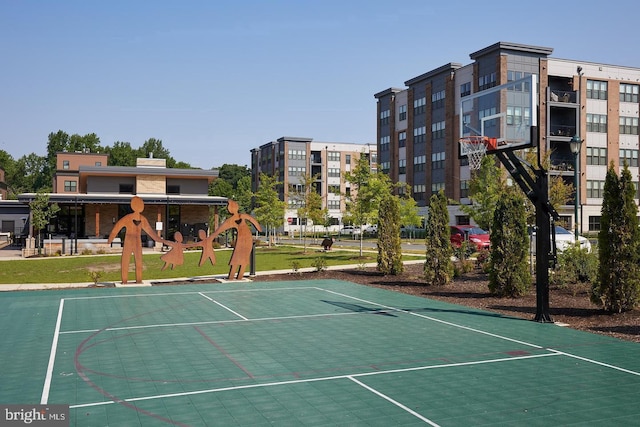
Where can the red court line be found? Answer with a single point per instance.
(223, 351)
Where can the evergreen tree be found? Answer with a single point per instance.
(509, 273)
(389, 243)
(438, 268)
(618, 285)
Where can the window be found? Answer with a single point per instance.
(464, 189)
(629, 125)
(334, 156)
(98, 163)
(334, 189)
(402, 139)
(437, 99)
(384, 117)
(70, 186)
(347, 159)
(465, 89)
(419, 163)
(419, 134)
(596, 156)
(595, 189)
(384, 143)
(518, 115)
(385, 166)
(596, 89)
(436, 187)
(487, 81)
(402, 166)
(65, 164)
(419, 106)
(418, 192)
(629, 156)
(594, 223)
(334, 204)
(297, 155)
(437, 130)
(403, 112)
(333, 172)
(126, 188)
(437, 160)
(298, 171)
(596, 123)
(173, 189)
(629, 93)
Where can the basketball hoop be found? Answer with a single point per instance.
(475, 148)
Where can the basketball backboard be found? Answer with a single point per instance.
(501, 116)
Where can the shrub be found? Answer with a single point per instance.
(320, 264)
(95, 276)
(296, 266)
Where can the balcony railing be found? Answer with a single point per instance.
(563, 96)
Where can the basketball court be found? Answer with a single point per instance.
(321, 352)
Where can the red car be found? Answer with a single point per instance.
(476, 235)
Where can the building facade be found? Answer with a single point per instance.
(418, 126)
(292, 159)
(93, 196)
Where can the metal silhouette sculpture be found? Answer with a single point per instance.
(133, 224)
(244, 239)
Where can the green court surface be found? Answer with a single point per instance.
(304, 353)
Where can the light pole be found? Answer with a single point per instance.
(575, 144)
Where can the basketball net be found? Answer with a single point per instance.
(475, 148)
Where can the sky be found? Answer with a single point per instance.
(214, 79)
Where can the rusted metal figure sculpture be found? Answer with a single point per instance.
(133, 223)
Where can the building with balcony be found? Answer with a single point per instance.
(418, 124)
(292, 159)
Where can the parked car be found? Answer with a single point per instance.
(476, 235)
(371, 230)
(564, 240)
(350, 230)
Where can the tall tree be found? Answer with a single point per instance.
(31, 174)
(438, 268)
(153, 147)
(485, 189)
(270, 209)
(509, 273)
(389, 243)
(42, 212)
(233, 173)
(121, 154)
(618, 285)
(243, 194)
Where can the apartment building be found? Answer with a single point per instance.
(292, 159)
(418, 125)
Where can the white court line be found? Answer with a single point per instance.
(52, 357)
(312, 380)
(211, 322)
(395, 402)
(223, 306)
(164, 294)
(488, 333)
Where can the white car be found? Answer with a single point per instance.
(372, 229)
(349, 230)
(564, 240)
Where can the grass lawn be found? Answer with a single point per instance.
(77, 269)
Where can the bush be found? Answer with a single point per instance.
(320, 264)
(296, 266)
(95, 275)
(575, 266)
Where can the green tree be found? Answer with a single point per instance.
(42, 212)
(438, 268)
(485, 188)
(221, 188)
(233, 173)
(270, 209)
(618, 285)
(367, 190)
(9, 165)
(121, 154)
(389, 243)
(31, 174)
(409, 216)
(243, 194)
(509, 273)
(153, 147)
(309, 202)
